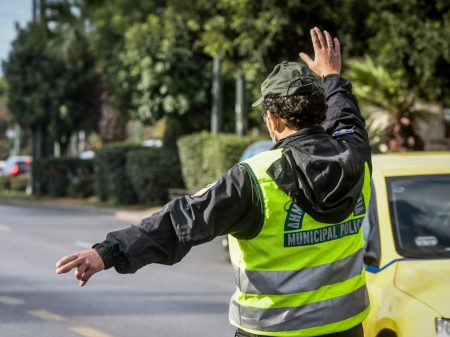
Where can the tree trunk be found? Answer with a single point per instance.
(112, 124)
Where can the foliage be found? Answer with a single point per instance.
(113, 184)
(46, 90)
(30, 73)
(255, 35)
(107, 23)
(206, 157)
(5, 183)
(151, 172)
(170, 78)
(412, 35)
(57, 174)
(82, 187)
(385, 92)
(20, 183)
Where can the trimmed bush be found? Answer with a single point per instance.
(82, 187)
(190, 150)
(5, 183)
(20, 183)
(57, 174)
(113, 184)
(205, 157)
(152, 171)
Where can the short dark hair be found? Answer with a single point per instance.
(299, 111)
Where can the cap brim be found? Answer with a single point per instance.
(258, 102)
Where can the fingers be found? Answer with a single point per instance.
(65, 260)
(308, 60)
(87, 275)
(329, 40)
(315, 41)
(322, 41)
(337, 47)
(67, 263)
(81, 270)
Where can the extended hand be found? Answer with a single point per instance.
(86, 262)
(327, 54)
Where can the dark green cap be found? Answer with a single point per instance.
(281, 79)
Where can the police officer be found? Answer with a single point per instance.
(293, 213)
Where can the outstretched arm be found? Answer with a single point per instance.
(229, 206)
(344, 119)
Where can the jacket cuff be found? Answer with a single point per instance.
(104, 250)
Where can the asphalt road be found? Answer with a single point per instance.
(188, 299)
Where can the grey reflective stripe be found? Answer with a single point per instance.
(298, 318)
(296, 281)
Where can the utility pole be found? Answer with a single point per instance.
(38, 133)
(217, 100)
(240, 107)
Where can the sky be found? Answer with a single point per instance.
(12, 11)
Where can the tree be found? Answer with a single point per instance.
(33, 93)
(413, 35)
(5, 121)
(107, 23)
(80, 102)
(385, 92)
(254, 35)
(53, 90)
(170, 78)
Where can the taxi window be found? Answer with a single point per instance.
(420, 214)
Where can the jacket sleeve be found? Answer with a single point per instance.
(228, 206)
(344, 120)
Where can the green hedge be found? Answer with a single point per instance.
(205, 157)
(5, 183)
(55, 175)
(152, 171)
(20, 183)
(113, 184)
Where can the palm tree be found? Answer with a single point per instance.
(385, 95)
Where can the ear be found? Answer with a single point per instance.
(273, 120)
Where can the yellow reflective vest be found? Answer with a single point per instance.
(298, 276)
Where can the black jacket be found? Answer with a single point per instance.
(322, 168)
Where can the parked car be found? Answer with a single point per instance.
(2, 166)
(85, 155)
(255, 148)
(17, 165)
(153, 142)
(407, 230)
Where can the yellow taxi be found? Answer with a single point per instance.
(407, 231)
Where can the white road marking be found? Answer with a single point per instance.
(83, 244)
(8, 300)
(46, 315)
(88, 332)
(4, 228)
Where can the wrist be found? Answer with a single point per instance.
(105, 254)
(331, 72)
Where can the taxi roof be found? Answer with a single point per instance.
(411, 163)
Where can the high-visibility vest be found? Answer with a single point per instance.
(298, 276)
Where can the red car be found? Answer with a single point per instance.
(17, 165)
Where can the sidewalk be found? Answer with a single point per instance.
(132, 213)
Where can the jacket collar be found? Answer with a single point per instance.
(299, 135)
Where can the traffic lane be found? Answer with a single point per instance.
(148, 300)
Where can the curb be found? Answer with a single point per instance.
(120, 212)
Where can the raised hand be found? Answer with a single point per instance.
(86, 264)
(327, 54)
